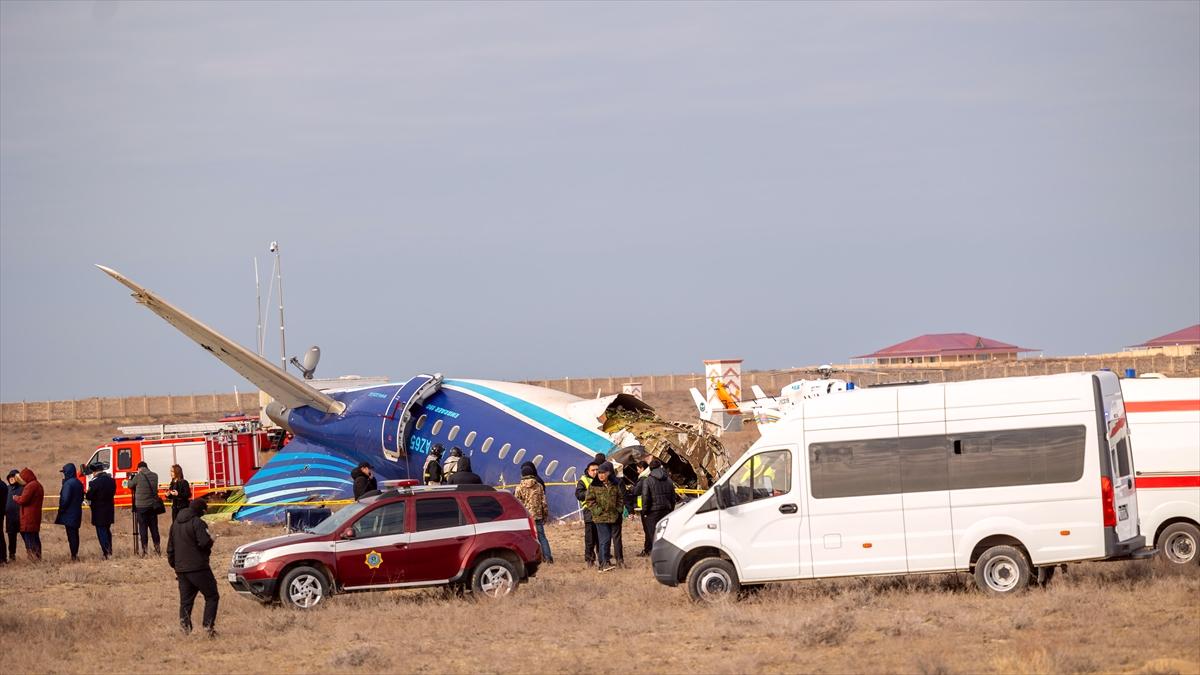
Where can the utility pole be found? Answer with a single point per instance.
(279, 279)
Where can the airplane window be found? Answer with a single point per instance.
(469, 439)
(517, 457)
(487, 444)
(504, 449)
(551, 467)
(453, 433)
(420, 422)
(437, 428)
(568, 475)
(537, 460)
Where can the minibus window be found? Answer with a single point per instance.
(1017, 457)
(124, 459)
(924, 463)
(1123, 457)
(765, 475)
(855, 468)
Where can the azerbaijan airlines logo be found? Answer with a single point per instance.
(374, 560)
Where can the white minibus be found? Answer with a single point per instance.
(1006, 478)
(1164, 428)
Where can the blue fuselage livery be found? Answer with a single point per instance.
(499, 425)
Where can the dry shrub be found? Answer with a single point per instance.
(830, 628)
(353, 657)
(931, 665)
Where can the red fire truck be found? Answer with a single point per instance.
(214, 456)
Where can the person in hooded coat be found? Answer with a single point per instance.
(532, 495)
(188, 548)
(70, 508)
(31, 498)
(12, 514)
(464, 475)
(364, 480)
(658, 498)
(3, 498)
(100, 493)
(530, 466)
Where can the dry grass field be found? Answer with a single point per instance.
(120, 615)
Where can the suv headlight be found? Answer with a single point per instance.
(660, 528)
(246, 559)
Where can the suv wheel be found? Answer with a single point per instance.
(713, 580)
(495, 577)
(303, 588)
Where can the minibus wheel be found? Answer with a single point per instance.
(713, 580)
(303, 588)
(1002, 570)
(1177, 543)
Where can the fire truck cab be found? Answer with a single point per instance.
(213, 455)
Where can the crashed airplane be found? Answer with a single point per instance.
(393, 427)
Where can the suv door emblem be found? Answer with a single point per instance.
(374, 560)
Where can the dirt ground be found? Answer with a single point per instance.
(120, 615)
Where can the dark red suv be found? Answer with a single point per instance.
(472, 537)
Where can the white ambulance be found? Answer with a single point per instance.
(1006, 478)
(1164, 427)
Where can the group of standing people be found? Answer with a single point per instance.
(606, 499)
(24, 499)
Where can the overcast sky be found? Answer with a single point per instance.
(541, 190)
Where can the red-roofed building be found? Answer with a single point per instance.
(1183, 336)
(945, 348)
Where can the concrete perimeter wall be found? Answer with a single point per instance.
(773, 381)
(587, 387)
(130, 406)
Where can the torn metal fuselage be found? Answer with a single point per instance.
(693, 458)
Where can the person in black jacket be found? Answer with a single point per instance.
(100, 492)
(12, 514)
(464, 475)
(70, 508)
(3, 498)
(658, 498)
(179, 491)
(188, 548)
(364, 480)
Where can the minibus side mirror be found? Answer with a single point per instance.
(724, 498)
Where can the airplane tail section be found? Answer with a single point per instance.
(287, 389)
(701, 405)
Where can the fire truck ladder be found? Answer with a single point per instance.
(217, 461)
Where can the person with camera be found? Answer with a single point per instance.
(146, 503)
(188, 549)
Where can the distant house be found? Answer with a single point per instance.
(1180, 343)
(943, 348)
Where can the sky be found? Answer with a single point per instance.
(523, 190)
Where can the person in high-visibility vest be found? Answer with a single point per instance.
(759, 476)
(589, 528)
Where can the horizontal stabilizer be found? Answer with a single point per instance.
(280, 385)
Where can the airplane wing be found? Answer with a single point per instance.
(285, 388)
